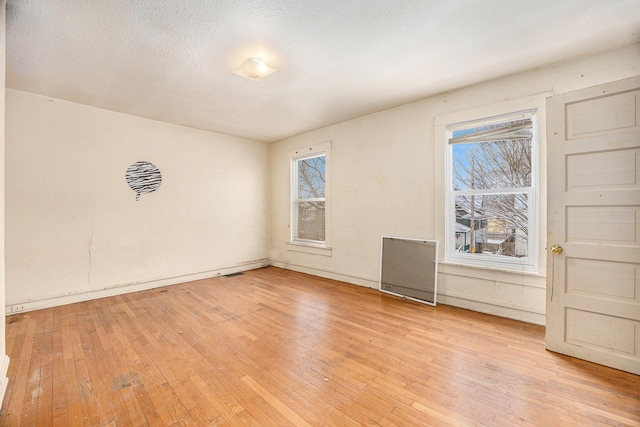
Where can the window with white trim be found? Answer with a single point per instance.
(309, 188)
(491, 217)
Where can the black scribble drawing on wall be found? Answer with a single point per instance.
(143, 177)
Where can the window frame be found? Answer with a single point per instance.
(306, 245)
(529, 263)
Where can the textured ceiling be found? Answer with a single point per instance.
(337, 59)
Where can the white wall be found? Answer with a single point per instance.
(4, 363)
(387, 180)
(73, 227)
(74, 230)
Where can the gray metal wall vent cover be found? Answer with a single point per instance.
(409, 268)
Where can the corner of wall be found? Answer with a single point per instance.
(4, 368)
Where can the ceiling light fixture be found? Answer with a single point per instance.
(254, 69)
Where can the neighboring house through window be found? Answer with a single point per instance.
(491, 192)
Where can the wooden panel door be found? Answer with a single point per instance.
(593, 279)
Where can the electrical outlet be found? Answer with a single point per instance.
(17, 308)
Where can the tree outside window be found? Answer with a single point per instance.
(309, 199)
(491, 189)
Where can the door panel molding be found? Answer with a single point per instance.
(593, 213)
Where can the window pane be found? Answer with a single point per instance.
(492, 224)
(311, 221)
(514, 129)
(492, 165)
(311, 177)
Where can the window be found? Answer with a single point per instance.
(309, 184)
(491, 193)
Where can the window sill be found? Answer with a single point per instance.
(505, 269)
(308, 248)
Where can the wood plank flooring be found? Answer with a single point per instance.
(277, 348)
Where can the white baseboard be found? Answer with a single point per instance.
(355, 279)
(483, 305)
(469, 302)
(4, 379)
(55, 301)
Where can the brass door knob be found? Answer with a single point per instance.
(556, 249)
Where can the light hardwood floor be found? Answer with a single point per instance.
(277, 348)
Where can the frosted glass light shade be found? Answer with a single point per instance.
(254, 69)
